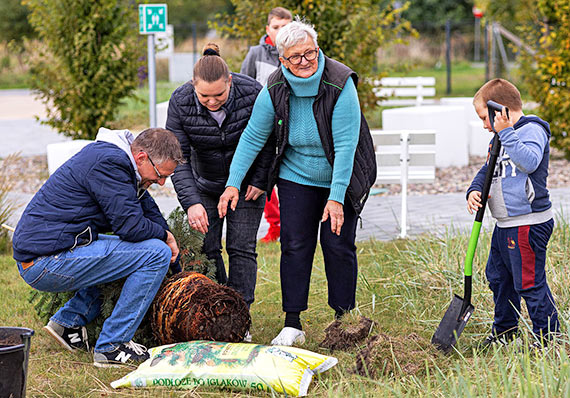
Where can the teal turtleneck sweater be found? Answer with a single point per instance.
(304, 160)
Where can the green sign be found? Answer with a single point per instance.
(152, 18)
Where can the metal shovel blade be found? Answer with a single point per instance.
(452, 324)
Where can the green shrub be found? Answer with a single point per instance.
(87, 63)
(547, 72)
(7, 207)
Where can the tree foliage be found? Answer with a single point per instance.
(430, 15)
(350, 31)
(87, 62)
(183, 13)
(547, 72)
(14, 24)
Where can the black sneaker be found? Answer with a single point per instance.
(503, 339)
(129, 353)
(72, 339)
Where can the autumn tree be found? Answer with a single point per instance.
(350, 31)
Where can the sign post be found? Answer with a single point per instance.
(152, 19)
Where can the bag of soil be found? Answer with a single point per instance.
(280, 369)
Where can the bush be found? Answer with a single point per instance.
(349, 31)
(547, 72)
(7, 207)
(88, 61)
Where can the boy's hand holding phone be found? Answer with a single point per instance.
(502, 120)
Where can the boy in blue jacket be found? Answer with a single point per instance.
(519, 201)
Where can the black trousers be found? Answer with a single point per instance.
(302, 208)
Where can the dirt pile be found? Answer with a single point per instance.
(393, 356)
(345, 335)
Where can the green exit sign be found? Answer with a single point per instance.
(152, 18)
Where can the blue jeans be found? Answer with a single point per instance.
(143, 264)
(241, 239)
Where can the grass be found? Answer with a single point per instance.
(405, 286)
(466, 78)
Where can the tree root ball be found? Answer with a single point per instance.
(343, 335)
(190, 306)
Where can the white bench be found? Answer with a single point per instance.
(402, 157)
(404, 91)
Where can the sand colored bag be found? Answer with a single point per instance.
(232, 365)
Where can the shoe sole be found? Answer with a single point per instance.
(112, 365)
(58, 338)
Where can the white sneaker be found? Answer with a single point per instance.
(247, 337)
(289, 336)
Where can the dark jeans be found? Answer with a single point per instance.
(302, 208)
(515, 269)
(241, 239)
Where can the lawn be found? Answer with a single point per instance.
(404, 286)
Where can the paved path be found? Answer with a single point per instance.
(380, 218)
(19, 129)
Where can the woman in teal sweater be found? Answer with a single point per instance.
(311, 107)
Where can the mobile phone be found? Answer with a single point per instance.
(493, 106)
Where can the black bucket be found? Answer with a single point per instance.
(14, 353)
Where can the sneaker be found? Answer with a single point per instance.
(72, 339)
(289, 336)
(272, 234)
(129, 353)
(502, 339)
(247, 337)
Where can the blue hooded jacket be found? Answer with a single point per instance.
(518, 194)
(96, 191)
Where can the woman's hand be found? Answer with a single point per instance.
(231, 197)
(502, 121)
(335, 211)
(253, 193)
(474, 201)
(198, 218)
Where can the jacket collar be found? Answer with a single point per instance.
(121, 138)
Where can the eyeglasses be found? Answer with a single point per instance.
(160, 176)
(310, 55)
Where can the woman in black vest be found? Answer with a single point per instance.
(324, 167)
(208, 116)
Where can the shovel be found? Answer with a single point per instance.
(461, 309)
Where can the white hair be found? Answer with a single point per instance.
(294, 33)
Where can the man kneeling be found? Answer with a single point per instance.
(59, 243)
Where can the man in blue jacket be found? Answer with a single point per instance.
(60, 242)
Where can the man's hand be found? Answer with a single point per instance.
(253, 193)
(171, 242)
(474, 201)
(335, 211)
(198, 218)
(231, 197)
(502, 121)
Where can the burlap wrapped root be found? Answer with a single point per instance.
(190, 306)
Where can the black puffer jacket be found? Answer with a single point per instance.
(209, 148)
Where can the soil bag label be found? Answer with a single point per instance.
(242, 366)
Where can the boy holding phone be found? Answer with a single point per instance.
(519, 201)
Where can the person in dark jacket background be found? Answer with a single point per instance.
(324, 167)
(208, 116)
(59, 243)
(261, 61)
